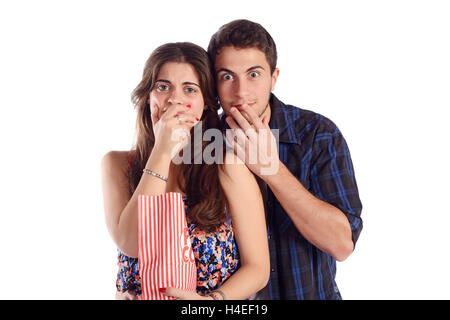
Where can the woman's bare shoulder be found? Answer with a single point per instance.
(116, 160)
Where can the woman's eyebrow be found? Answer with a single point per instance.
(162, 80)
(184, 83)
(190, 83)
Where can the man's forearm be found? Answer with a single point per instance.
(322, 224)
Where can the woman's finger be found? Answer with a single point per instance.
(154, 113)
(187, 118)
(172, 110)
(180, 294)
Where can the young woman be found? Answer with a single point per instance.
(224, 204)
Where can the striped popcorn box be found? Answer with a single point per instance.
(166, 258)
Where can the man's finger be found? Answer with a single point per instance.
(240, 119)
(254, 118)
(251, 133)
(231, 122)
(234, 145)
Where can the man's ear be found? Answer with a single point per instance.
(275, 75)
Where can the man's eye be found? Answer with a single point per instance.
(227, 77)
(254, 74)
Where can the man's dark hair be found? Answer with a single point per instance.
(243, 34)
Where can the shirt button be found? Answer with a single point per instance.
(269, 236)
(272, 270)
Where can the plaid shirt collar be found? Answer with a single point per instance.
(281, 119)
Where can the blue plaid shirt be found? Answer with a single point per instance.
(315, 152)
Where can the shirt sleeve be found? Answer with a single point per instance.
(333, 178)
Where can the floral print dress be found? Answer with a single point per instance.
(216, 257)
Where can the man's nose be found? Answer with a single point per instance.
(240, 88)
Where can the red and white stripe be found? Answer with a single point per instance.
(162, 242)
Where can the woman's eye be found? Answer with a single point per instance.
(227, 77)
(254, 74)
(162, 87)
(190, 90)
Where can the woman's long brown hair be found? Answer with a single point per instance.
(200, 182)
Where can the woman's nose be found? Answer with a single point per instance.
(175, 98)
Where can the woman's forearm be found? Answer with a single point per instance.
(127, 229)
(246, 281)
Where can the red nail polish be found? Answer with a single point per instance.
(197, 119)
(188, 106)
(162, 290)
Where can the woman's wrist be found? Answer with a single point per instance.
(217, 295)
(160, 154)
(159, 164)
(159, 160)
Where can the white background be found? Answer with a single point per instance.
(379, 69)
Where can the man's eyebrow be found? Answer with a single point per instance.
(229, 71)
(224, 70)
(255, 67)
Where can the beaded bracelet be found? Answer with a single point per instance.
(155, 174)
(212, 294)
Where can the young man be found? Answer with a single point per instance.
(312, 204)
